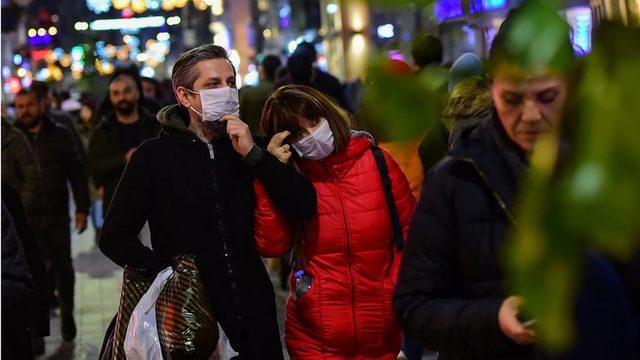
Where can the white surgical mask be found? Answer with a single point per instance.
(318, 145)
(217, 103)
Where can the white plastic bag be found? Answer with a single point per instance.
(224, 351)
(141, 341)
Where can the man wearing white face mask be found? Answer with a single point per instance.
(194, 185)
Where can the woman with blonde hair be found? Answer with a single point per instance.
(347, 257)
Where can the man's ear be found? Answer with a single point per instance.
(183, 97)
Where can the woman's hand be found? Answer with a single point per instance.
(275, 147)
(511, 326)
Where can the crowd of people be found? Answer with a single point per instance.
(390, 249)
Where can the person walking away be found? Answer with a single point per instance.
(60, 162)
(194, 185)
(118, 134)
(17, 288)
(252, 98)
(346, 258)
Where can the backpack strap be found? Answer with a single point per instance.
(396, 229)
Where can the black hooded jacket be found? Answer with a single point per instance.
(198, 199)
(450, 286)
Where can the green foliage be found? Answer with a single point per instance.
(402, 106)
(587, 200)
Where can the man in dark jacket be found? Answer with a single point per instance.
(20, 168)
(450, 295)
(252, 98)
(58, 116)
(194, 185)
(60, 162)
(118, 135)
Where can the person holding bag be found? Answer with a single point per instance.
(194, 185)
(346, 258)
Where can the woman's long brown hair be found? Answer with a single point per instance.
(282, 112)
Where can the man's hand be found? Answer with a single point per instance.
(275, 147)
(128, 155)
(81, 222)
(511, 326)
(239, 133)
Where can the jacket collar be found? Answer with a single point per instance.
(488, 149)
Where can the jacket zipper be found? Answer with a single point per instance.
(211, 154)
(348, 242)
(501, 202)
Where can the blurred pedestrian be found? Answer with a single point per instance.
(345, 259)
(118, 134)
(106, 106)
(60, 162)
(426, 51)
(85, 124)
(301, 70)
(20, 169)
(252, 98)
(469, 100)
(17, 289)
(193, 184)
(38, 314)
(56, 114)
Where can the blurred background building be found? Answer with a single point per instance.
(78, 41)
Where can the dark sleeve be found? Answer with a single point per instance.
(30, 173)
(434, 146)
(77, 176)
(17, 284)
(127, 214)
(103, 162)
(425, 300)
(35, 259)
(292, 193)
(66, 120)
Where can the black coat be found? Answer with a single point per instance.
(196, 204)
(60, 161)
(450, 286)
(106, 157)
(39, 303)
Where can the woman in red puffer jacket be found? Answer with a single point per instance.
(346, 252)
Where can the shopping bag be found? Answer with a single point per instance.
(134, 285)
(187, 328)
(141, 341)
(224, 351)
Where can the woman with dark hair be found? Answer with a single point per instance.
(345, 258)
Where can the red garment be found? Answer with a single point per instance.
(347, 312)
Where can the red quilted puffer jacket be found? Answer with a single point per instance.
(353, 264)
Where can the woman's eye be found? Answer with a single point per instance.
(512, 99)
(548, 97)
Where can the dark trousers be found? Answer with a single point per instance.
(55, 240)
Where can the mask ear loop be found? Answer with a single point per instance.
(191, 107)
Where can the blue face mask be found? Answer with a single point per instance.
(318, 145)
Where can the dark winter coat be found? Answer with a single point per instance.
(60, 161)
(198, 198)
(39, 303)
(17, 284)
(65, 119)
(105, 155)
(451, 286)
(20, 168)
